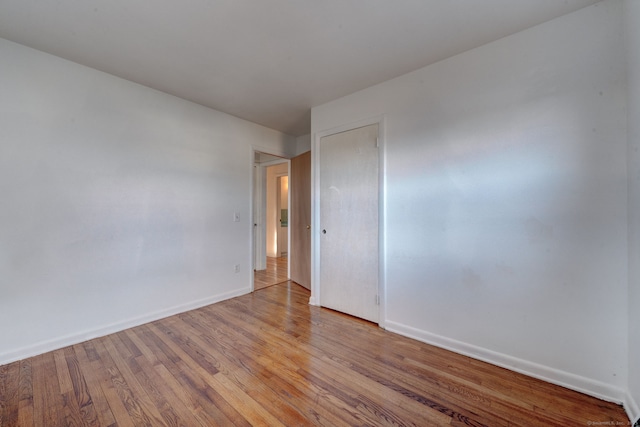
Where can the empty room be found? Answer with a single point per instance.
(342, 212)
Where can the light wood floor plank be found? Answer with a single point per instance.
(48, 405)
(237, 373)
(110, 385)
(276, 272)
(254, 378)
(195, 376)
(140, 376)
(64, 379)
(25, 404)
(104, 416)
(192, 391)
(9, 394)
(269, 358)
(327, 364)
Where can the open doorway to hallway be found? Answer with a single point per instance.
(271, 220)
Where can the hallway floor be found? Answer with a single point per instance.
(276, 272)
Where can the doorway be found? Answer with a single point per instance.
(270, 220)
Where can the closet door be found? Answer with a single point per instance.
(349, 222)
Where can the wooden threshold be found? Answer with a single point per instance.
(268, 358)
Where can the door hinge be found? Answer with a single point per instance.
(377, 142)
(377, 299)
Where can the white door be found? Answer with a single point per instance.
(349, 222)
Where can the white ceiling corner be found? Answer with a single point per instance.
(267, 61)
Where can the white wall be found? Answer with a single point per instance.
(272, 215)
(303, 144)
(632, 15)
(117, 202)
(282, 184)
(506, 200)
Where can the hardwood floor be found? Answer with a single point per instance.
(276, 272)
(268, 358)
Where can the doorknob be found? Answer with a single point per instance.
(324, 231)
(308, 227)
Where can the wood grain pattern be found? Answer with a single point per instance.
(300, 219)
(270, 359)
(276, 272)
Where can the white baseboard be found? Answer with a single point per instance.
(565, 379)
(632, 408)
(61, 342)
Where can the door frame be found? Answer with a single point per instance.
(259, 195)
(315, 210)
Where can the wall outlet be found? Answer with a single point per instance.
(236, 268)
